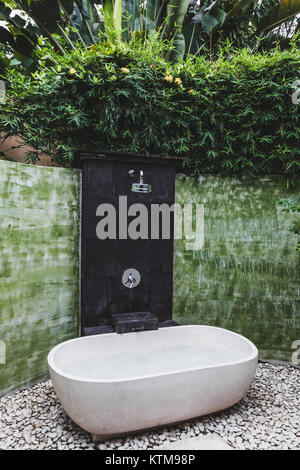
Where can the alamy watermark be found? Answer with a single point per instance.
(139, 221)
(2, 92)
(2, 353)
(296, 354)
(296, 94)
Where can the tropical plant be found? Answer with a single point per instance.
(243, 23)
(191, 25)
(67, 22)
(63, 22)
(230, 117)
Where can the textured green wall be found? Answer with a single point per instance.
(246, 278)
(39, 239)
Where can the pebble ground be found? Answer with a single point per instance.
(268, 417)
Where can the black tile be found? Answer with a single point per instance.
(103, 262)
(125, 300)
(98, 178)
(96, 301)
(132, 254)
(163, 182)
(167, 324)
(161, 256)
(163, 311)
(112, 257)
(98, 258)
(97, 330)
(161, 287)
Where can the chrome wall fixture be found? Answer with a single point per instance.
(140, 187)
(131, 278)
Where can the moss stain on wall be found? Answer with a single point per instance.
(246, 278)
(39, 267)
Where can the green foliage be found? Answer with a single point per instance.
(6, 158)
(279, 13)
(242, 23)
(64, 22)
(191, 26)
(231, 117)
(113, 19)
(176, 11)
(290, 206)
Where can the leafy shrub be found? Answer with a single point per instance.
(233, 116)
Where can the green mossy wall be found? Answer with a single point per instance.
(39, 267)
(246, 278)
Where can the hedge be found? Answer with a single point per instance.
(234, 116)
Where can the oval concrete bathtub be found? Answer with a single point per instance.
(113, 384)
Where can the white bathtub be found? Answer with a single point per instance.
(115, 384)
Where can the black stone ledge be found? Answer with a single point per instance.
(97, 330)
(175, 161)
(104, 329)
(135, 321)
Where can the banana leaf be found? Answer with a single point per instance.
(113, 19)
(155, 13)
(132, 20)
(239, 9)
(176, 12)
(89, 20)
(279, 14)
(152, 9)
(6, 37)
(68, 6)
(46, 14)
(4, 12)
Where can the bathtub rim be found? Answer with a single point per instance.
(52, 366)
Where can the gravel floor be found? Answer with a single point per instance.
(267, 418)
